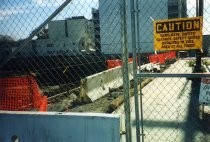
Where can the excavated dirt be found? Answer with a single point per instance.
(106, 104)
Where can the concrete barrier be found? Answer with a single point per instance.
(59, 127)
(151, 67)
(98, 85)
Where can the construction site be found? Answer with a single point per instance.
(103, 70)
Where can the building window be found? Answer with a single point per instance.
(171, 16)
(50, 45)
(173, 9)
(83, 44)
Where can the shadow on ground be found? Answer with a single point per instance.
(195, 128)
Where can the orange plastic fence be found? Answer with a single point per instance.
(115, 63)
(153, 58)
(21, 94)
(162, 57)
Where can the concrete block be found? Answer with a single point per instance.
(98, 85)
(58, 127)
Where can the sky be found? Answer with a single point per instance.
(191, 11)
(19, 17)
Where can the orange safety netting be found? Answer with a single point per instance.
(115, 63)
(162, 57)
(21, 94)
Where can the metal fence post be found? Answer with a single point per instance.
(134, 29)
(199, 12)
(126, 82)
(141, 132)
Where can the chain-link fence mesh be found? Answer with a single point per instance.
(60, 43)
(67, 47)
(172, 106)
(171, 96)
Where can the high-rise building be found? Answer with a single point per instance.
(96, 23)
(177, 8)
(149, 10)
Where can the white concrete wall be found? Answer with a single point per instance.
(77, 29)
(59, 47)
(80, 31)
(57, 29)
(98, 85)
(59, 127)
(80, 37)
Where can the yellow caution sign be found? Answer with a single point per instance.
(178, 34)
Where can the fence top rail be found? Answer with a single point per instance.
(191, 75)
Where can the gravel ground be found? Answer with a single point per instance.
(102, 105)
(66, 103)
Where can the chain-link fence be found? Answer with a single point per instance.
(77, 52)
(60, 43)
(171, 104)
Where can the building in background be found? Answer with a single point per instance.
(177, 8)
(110, 26)
(206, 45)
(149, 10)
(72, 36)
(7, 45)
(96, 23)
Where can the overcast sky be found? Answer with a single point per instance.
(19, 17)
